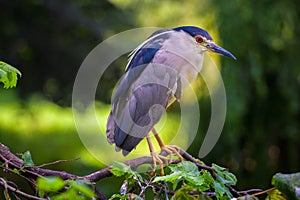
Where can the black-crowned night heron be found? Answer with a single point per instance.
(156, 73)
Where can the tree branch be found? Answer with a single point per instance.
(11, 160)
(15, 190)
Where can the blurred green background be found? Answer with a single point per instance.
(48, 40)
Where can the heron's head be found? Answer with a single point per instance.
(204, 40)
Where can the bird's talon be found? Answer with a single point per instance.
(161, 160)
(170, 149)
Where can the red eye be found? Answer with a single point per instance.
(199, 39)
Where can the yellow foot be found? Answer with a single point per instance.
(172, 149)
(160, 160)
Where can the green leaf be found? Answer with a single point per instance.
(222, 192)
(189, 173)
(81, 186)
(72, 193)
(275, 195)
(170, 178)
(8, 75)
(16, 171)
(26, 157)
(116, 196)
(173, 178)
(186, 167)
(288, 184)
(198, 182)
(2, 73)
(208, 178)
(224, 176)
(50, 184)
(120, 169)
(180, 172)
(220, 189)
(183, 194)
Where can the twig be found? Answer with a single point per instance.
(232, 190)
(99, 194)
(15, 190)
(5, 189)
(18, 174)
(55, 162)
(263, 192)
(250, 191)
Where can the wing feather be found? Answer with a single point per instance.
(140, 101)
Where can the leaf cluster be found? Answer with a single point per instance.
(58, 189)
(8, 75)
(195, 182)
(134, 185)
(183, 181)
(186, 180)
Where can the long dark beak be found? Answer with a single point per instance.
(217, 49)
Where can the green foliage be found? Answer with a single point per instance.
(120, 169)
(132, 178)
(185, 179)
(27, 159)
(59, 189)
(8, 75)
(263, 37)
(224, 178)
(82, 187)
(288, 184)
(186, 193)
(49, 184)
(275, 195)
(38, 121)
(188, 173)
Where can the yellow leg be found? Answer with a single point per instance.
(170, 149)
(156, 157)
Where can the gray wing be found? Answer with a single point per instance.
(146, 107)
(126, 131)
(139, 59)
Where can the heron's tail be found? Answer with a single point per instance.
(117, 136)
